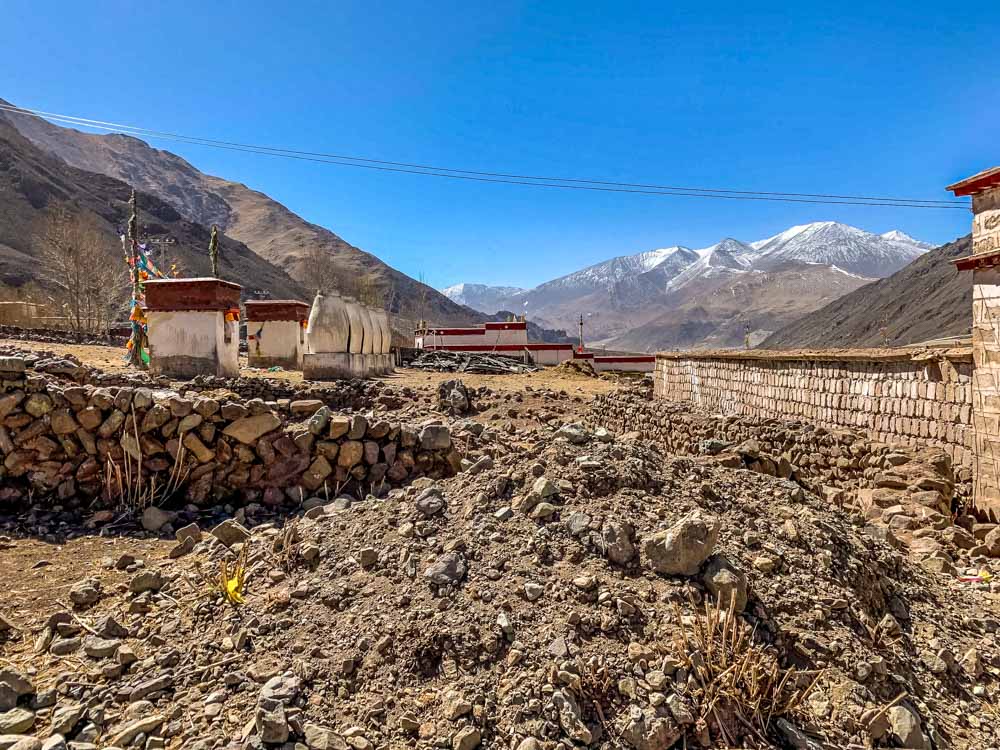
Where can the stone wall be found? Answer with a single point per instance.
(62, 440)
(820, 458)
(914, 398)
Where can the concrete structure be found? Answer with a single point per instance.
(485, 337)
(344, 339)
(193, 327)
(985, 266)
(328, 339)
(511, 339)
(276, 333)
(383, 355)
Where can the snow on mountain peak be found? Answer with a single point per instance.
(896, 235)
(482, 297)
(843, 248)
(834, 244)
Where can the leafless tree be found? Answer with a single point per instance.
(322, 273)
(82, 270)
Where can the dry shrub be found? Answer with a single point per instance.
(740, 681)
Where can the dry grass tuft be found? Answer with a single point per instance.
(740, 681)
(130, 488)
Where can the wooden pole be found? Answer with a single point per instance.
(213, 251)
(137, 339)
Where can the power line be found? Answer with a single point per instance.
(494, 177)
(206, 141)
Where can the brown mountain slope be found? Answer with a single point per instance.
(267, 227)
(33, 182)
(713, 312)
(927, 299)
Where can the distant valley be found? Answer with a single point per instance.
(678, 297)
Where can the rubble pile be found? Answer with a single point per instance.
(440, 360)
(565, 590)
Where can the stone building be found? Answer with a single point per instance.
(984, 188)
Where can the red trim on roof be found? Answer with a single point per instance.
(476, 331)
(983, 260)
(260, 311)
(503, 348)
(583, 355)
(984, 180)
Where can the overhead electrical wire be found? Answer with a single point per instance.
(494, 177)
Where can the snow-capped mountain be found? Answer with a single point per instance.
(609, 272)
(896, 236)
(727, 257)
(678, 296)
(482, 297)
(830, 243)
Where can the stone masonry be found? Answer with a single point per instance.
(984, 188)
(70, 443)
(917, 398)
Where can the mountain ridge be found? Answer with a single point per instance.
(925, 300)
(270, 229)
(34, 182)
(640, 292)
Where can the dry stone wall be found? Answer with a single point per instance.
(918, 400)
(71, 443)
(823, 459)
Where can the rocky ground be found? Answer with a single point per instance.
(562, 591)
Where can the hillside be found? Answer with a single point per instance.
(676, 297)
(267, 227)
(713, 311)
(925, 300)
(33, 182)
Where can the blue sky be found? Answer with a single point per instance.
(886, 98)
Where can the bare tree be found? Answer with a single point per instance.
(82, 270)
(321, 271)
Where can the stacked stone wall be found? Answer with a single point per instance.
(818, 457)
(916, 401)
(67, 443)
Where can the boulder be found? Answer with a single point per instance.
(724, 581)
(681, 549)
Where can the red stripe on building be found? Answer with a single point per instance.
(502, 347)
(453, 332)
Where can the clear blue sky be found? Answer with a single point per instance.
(884, 98)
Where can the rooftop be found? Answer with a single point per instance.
(984, 180)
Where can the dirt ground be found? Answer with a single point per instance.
(44, 570)
(111, 359)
